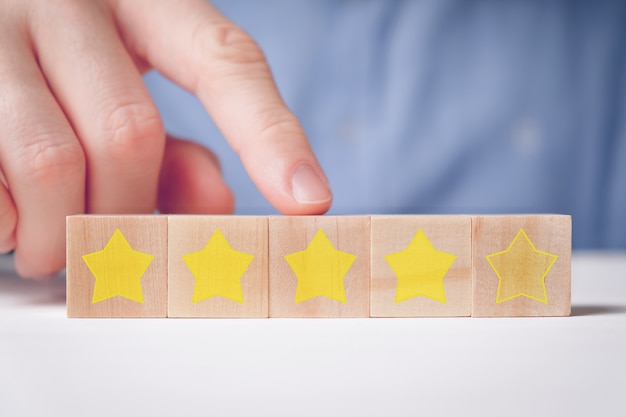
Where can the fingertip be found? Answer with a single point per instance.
(289, 177)
(44, 268)
(7, 240)
(310, 190)
(7, 244)
(8, 222)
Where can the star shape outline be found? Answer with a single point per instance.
(544, 298)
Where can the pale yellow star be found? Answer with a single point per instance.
(320, 269)
(218, 269)
(521, 270)
(420, 269)
(118, 269)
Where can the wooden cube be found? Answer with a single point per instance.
(421, 266)
(319, 266)
(522, 265)
(116, 266)
(218, 266)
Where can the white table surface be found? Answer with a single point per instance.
(54, 366)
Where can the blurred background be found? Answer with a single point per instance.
(444, 106)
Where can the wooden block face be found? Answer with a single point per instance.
(218, 266)
(116, 266)
(522, 265)
(319, 266)
(421, 266)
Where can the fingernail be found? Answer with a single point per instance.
(308, 188)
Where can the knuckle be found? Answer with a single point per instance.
(73, 11)
(132, 131)
(226, 41)
(276, 128)
(277, 124)
(48, 161)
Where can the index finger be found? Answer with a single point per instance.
(193, 44)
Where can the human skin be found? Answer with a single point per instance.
(80, 134)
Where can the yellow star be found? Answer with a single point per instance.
(118, 269)
(420, 269)
(320, 269)
(218, 269)
(522, 270)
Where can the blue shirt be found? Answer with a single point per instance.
(444, 106)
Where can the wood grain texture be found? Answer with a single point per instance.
(549, 234)
(449, 234)
(249, 235)
(515, 265)
(348, 234)
(89, 234)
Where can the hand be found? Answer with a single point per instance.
(80, 134)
